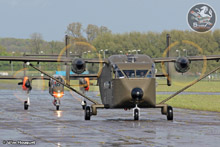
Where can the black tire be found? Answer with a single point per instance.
(87, 113)
(25, 105)
(136, 114)
(57, 107)
(169, 113)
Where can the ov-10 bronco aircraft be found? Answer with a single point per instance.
(55, 89)
(125, 81)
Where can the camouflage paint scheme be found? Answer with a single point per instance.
(116, 91)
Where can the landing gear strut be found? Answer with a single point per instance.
(56, 103)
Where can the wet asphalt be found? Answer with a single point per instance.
(42, 125)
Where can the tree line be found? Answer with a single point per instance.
(92, 40)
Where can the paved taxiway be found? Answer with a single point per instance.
(67, 127)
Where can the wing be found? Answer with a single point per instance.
(90, 76)
(22, 77)
(48, 59)
(34, 59)
(11, 78)
(191, 58)
(75, 62)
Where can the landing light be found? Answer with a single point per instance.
(58, 94)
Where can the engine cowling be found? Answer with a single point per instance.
(182, 64)
(78, 66)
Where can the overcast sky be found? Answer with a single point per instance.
(20, 18)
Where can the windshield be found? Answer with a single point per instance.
(129, 73)
(58, 84)
(149, 75)
(119, 74)
(141, 73)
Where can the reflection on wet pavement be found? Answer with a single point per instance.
(67, 127)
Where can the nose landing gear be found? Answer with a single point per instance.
(87, 113)
(27, 104)
(136, 113)
(56, 103)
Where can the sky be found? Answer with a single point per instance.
(21, 18)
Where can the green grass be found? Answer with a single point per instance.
(194, 102)
(202, 86)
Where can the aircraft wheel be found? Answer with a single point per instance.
(57, 107)
(87, 113)
(25, 105)
(169, 113)
(136, 114)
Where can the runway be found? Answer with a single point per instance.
(42, 125)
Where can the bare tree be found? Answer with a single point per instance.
(53, 46)
(36, 42)
(74, 29)
(91, 32)
(103, 30)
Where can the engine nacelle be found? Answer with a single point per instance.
(78, 66)
(182, 64)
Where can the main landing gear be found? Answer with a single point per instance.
(83, 103)
(56, 103)
(167, 110)
(87, 113)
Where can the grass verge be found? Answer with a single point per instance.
(203, 86)
(194, 102)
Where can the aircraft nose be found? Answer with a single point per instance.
(137, 93)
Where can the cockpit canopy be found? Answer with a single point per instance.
(134, 70)
(58, 78)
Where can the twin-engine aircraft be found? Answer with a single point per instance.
(125, 81)
(55, 89)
